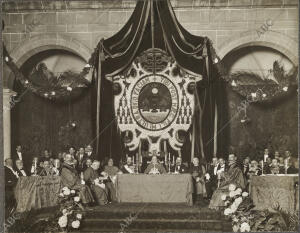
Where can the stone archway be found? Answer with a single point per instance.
(22, 53)
(276, 40)
(40, 43)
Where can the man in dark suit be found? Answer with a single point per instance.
(20, 168)
(18, 154)
(11, 179)
(179, 166)
(128, 167)
(81, 159)
(89, 152)
(211, 178)
(246, 167)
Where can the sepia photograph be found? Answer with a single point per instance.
(131, 116)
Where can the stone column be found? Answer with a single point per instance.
(7, 106)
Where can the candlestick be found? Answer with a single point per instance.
(169, 157)
(173, 159)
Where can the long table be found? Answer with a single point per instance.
(271, 190)
(176, 188)
(35, 192)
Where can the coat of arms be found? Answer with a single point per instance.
(154, 100)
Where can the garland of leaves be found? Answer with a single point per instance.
(255, 88)
(248, 84)
(58, 90)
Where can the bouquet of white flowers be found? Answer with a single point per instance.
(236, 209)
(70, 215)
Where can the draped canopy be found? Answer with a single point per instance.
(153, 24)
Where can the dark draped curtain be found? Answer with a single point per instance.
(154, 24)
(39, 124)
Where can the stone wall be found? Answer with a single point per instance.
(88, 21)
(79, 25)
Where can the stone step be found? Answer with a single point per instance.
(96, 225)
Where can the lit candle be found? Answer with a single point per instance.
(56, 164)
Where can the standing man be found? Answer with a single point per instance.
(18, 154)
(81, 159)
(198, 172)
(89, 152)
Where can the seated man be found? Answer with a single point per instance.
(198, 173)
(233, 175)
(56, 167)
(20, 168)
(35, 168)
(110, 172)
(253, 169)
(155, 167)
(179, 167)
(91, 177)
(275, 168)
(211, 178)
(47, 170)
(71, 179)
(11, 179)
(128, 167)
(291, 169)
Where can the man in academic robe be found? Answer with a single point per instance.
(93, 179)
(110, 172)
(128, 167)
(71, 179)
(155, 167)
(20, 168)
(233, 175)
(11, 179)
(81, 159)
(198, 172)
(179, 167)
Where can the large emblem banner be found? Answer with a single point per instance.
(154, 101)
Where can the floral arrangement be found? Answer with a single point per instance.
(239, 208)
(70, 206)
(238, 205)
